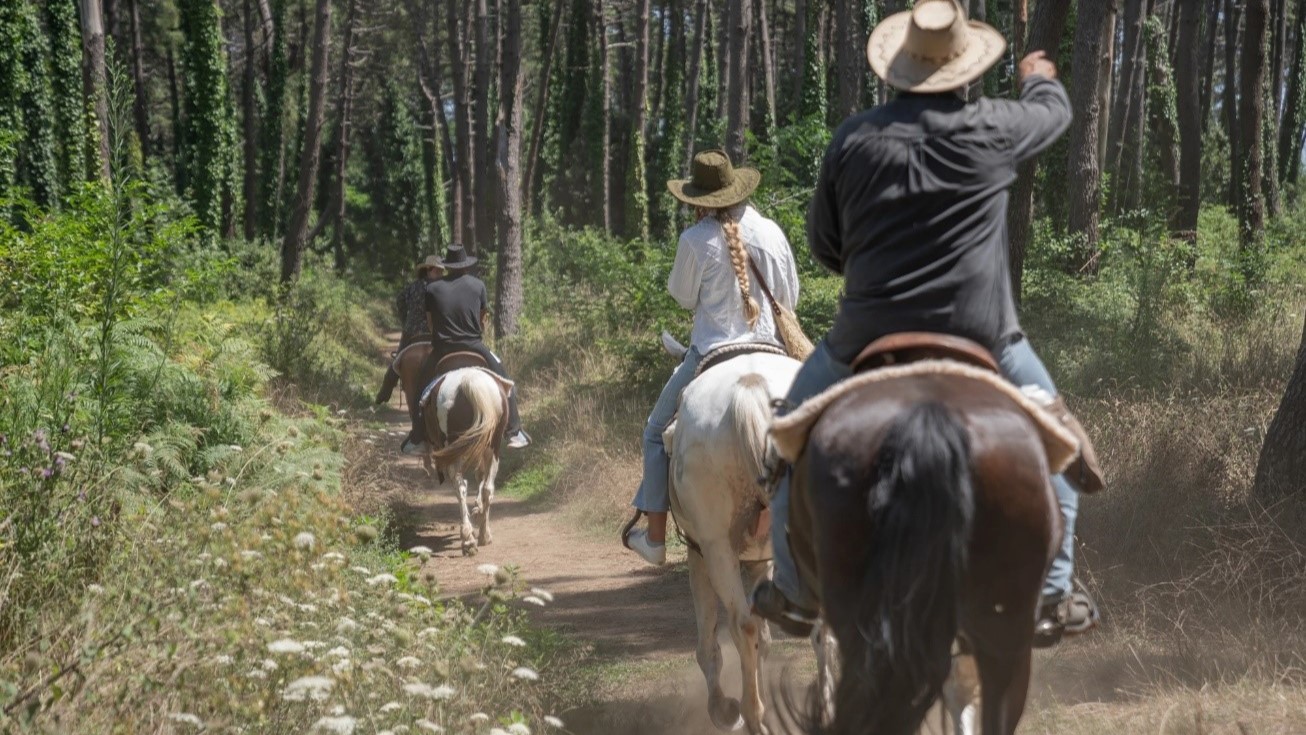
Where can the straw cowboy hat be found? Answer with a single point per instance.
(933, 48)
(456, 258)
(432, 261)
(715, 182)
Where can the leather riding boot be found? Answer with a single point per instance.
(770, 604)
(387, 386)
(1065, 615)
(1085, 474)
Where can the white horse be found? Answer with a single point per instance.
(717, 447)
(470, 410)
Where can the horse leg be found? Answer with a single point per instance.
(486, 500)
(826, 649)
(961, 695)
(754, 572)
(1004, 684)
(745, 629)
(724, 712)
(465, 532)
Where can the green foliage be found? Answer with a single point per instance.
(13, 80)
(207, 165)
(36, 161)
(66, 89)
(1162, 110)
(273, 119)
(816, 96)
(396, 180)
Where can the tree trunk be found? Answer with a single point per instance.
(542, 103)
(249, 104)
(464, 222)
(1290, 131)
(1019, 28)
(508, 284)
(768, 69)
(605, 134)
(292, 249)
(1084, 185)
(174, 105)
(140, 112)
(1281, 470)
(737, 89)
(1129, 96)
(850, 58)
(1212, 31)
(344, 128)
(1232, 22)
(485, 194)
(799, 43)
(95, 87)
(695, 62)
(637, 183)
(1251, 118)
(1046, 26)
(1105, 82)
(1188, 95)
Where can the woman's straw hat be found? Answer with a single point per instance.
(933, 48)
(432, 261)
(716, 183)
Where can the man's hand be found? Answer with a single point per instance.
(1038, 64)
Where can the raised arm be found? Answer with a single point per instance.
(1043, 113)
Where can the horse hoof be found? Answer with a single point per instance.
(725, 714)
(469, 550)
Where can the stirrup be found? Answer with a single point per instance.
(1065, 616)
(770, 604)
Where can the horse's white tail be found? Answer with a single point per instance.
(487, 405)
(749, 414)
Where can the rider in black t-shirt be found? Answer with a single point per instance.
(456, 306)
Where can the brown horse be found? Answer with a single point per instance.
(923, 507)
(411, 378)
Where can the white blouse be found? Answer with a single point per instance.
(703, 279)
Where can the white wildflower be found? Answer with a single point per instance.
(389, 707)
(305, 540)
(256, 674)
(408, 662)
(498, 731)
(488, 570)
(554, 722)
(95, 589)
(268, 664)
(316, 688)
(382, 578)
(361, 570)
(428, 726)
(313, 645)
(339, 652)
(525, 674)
(543, 594)
(223, 659)
(317, 567)
(532, 599)
(513, 640)
(263, 622)
(333, 556)
(341, 725)
(518, 728)
(421, 550)
(187, 718)
(418, 689)
(220, 563)
(251, 554)
(427, 632)
(231, 481)
(198, 584)
(342, 666)
(285, 645)
(424, 602)
(479, 718)
(346, 625)
(218, 527)
(236, 448)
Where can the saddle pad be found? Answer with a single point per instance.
(789, 433)
(728, 352)
(504, 384)
(394, 364)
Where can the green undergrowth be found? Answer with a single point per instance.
(180, 546)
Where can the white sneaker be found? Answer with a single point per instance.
(414, 450)
(520, 440)
(655, 554)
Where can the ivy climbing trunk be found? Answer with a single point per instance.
(292, 249)
(140, 111)
(637, 182)
(540, 121)
(248, 97)
(737, 87)
(850, 57)
(695, 62)
(66, 90)
(95, 83)
(207, 126)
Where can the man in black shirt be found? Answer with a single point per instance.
(911, 208)
(456, 306)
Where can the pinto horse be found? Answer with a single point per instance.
(717, 446)
(921, 505)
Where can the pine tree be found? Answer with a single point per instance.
(272, 165)
(396, 180)
(206, 159)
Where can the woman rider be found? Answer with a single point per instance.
(410, 307)
(711, 277)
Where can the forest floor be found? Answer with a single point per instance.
(634, 626)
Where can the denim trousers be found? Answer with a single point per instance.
(1020, 365)
(654, 494)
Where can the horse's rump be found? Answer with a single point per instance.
(467, 411)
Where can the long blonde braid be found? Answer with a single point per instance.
(739, 259)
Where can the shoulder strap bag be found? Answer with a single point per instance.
(786, 322)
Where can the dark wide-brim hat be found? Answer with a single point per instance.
(432, 261)
(715, 182)
(456, 259)
(933, 48)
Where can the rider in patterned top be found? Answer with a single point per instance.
(713, 278)
(911, 209)
(410, 308)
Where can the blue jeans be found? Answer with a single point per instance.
(1019, 364)
(654, 495)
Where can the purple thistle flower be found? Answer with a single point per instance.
(47, 473)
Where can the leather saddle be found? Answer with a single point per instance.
(726, 353)
(907, 347)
